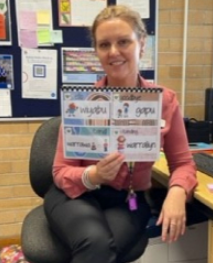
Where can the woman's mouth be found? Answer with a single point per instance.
(117, 63)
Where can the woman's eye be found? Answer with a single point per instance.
(104, 45)
(124, 42)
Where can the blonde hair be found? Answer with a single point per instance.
(122, 12)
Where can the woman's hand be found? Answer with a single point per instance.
(173, 214)
(107, 168)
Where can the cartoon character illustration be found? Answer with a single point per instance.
(72, 109)
(93, 146)
(121, 140)
(126, 109)
(105, 145)
(119, 113)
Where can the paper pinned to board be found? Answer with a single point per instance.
(5, 103)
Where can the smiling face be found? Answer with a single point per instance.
(118, 48)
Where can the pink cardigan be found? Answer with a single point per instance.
(67, 172)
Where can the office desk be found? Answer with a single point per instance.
(203, 197)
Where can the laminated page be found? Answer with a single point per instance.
(98, 121)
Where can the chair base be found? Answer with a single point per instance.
(39, 244)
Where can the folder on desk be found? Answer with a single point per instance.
(200, 147)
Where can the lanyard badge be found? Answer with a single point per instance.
(132, 197)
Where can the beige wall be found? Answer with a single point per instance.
(199, 56)
(16, 196)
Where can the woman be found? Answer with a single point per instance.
(87, 206)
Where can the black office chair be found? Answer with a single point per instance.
(39, 243)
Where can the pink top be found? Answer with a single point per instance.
(67, 172)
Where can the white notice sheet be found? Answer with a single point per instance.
(142, 6)
(39, 74)
(5, 103)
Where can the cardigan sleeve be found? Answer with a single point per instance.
(175, 144)
(67, 172)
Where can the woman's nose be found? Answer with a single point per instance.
(114, 50)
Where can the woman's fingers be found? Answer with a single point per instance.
(172, 230)
(108, 167)
(112, 159)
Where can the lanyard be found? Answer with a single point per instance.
(132, 197)
(131, 169)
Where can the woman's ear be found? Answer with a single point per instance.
(142, 47)
(141, 51)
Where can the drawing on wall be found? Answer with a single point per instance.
(6, 72)
(5, 23)
(80, 65)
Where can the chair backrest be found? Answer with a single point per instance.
(42, 154)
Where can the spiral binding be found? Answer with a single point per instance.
(112, 89)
